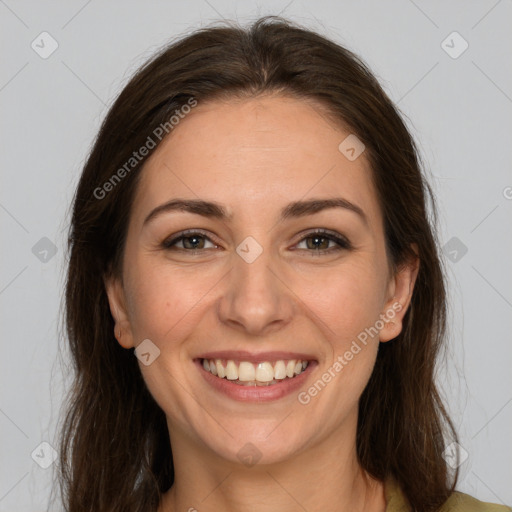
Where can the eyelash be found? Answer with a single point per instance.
(342, 242)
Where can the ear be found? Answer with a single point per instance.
(117, 302)
(400, 290)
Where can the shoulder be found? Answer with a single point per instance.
(461, 502)
(457, 502)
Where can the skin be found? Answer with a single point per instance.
(254, 156)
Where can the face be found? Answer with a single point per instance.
(271, 269)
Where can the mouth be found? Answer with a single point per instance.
(262, 377)
(245, 373)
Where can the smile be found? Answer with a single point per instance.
(255, 377)
(245, 373)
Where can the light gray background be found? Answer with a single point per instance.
(459, 110)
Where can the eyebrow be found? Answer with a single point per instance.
(293, 210)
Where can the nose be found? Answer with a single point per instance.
(257, 298)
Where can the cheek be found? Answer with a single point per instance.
(349, 305)
(347, 299)
(164, 301)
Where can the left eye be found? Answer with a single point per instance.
(319, 242)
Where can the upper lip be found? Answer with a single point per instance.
(253, 357)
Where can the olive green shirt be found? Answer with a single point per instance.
(457, 502)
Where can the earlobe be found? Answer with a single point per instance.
(117, 303)
(122, 333)
(402, 287)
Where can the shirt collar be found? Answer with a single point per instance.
(395, 498)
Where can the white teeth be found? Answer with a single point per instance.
(221, 372)
(231, 371)
(264, 372)
(280, 370)
(290, 368)
(246, 373)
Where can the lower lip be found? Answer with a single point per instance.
(256, 393)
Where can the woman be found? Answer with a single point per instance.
(251, 227)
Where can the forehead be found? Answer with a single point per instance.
(255, 154)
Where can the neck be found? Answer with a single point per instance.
(325, 477)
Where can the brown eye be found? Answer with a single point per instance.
(322, 242)
(189, 242)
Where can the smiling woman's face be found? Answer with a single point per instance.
(254, 281)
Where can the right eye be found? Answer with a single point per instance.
(190, 241)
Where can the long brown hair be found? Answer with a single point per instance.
(115, 452)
